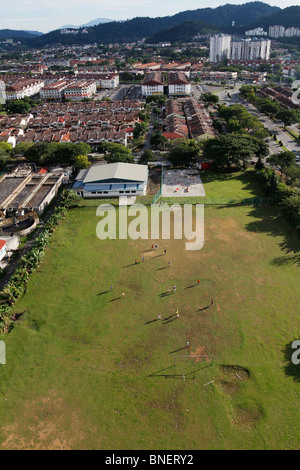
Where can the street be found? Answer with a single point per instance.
(274, 127)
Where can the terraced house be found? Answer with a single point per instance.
(80, 89)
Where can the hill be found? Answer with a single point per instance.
(186, 31)
(287, 17)
(15, 34)
(141, 27)
(183, 32)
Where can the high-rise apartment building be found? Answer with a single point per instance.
(276, 31)
(219, 47)
(243, 49)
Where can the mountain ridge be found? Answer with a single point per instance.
(141, 27)
(91, 23)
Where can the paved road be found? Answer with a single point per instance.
(275, 127)
(129, 92)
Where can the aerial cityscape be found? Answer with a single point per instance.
(150, 228)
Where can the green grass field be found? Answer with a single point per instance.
(88, 369)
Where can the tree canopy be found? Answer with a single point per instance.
(234, 149)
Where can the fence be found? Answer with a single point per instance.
(222, 201)
(157, 196)
(208, 201)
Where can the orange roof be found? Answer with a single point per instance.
(172, 135)
(43, 171)
(66, 137)
(2, 244)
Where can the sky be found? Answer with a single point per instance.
(47, 15)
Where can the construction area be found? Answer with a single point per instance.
(23, 190)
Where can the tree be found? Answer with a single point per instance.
(2, 163)
(292, 174)
(147, 156)
(41, 153)
(288, 116)
(233, 149)
(210, 98)
(18, 107)
(118, 153)
(144, 116)
(22, 147)
(183, 152)
(67, 152)
(5, 149)
(157, 140)
(291, 209)
(281, 160)
(140, 129)
(81, 162)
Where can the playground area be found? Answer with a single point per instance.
(182, 183)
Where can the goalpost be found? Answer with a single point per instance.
(186, 366)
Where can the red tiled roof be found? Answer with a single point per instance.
(172, 135)
(2, 244)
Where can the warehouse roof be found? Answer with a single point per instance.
(119, 171)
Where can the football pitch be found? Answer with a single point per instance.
(90, 368)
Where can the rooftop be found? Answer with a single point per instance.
(120, 171)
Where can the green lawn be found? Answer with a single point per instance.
(224, 188)
(87, 369)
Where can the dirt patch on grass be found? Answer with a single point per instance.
(246, 418)
(231, 378)
(228, 229)
(235, 372)
(45, 424)
(224, 229)
(231, 388)
(200, 351)
(171, 404)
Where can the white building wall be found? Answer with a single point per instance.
(148, 90)
(219, 47)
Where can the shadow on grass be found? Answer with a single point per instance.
(251, 183)
(165, 294)
(270, 221)
(170, 320)
(170, 316)
(133, 264)
(204, 308)
(188, 376)
(151, 321)
(210, 176)
(287, 260)
(177, 350)
(102, 293)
